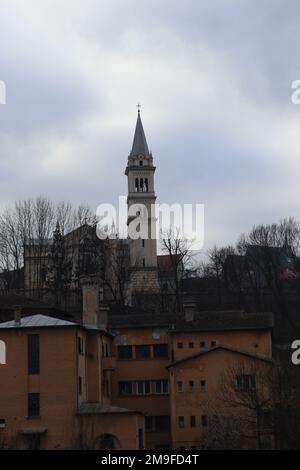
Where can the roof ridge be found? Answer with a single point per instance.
(224, 347)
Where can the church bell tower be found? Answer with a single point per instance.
(141, 194)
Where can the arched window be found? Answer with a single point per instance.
(141, 185)
(2, 353)
(136, 185)
(146, 185)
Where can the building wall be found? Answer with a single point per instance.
(124, 427)
(252, 341)
(196, 402)
(62, 362)
(96, 361)
(56, 384)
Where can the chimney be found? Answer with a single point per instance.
(17, 315)
(94, 315)
(189, 311)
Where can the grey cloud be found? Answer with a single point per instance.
(214, 78)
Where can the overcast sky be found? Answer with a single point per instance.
(214, 80)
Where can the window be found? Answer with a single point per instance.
(180, 345)
(2, 423)
(245, 383)
(266, 420)
(33, 405)
(80, 385)
(125, 388)
(105, 387)
(213, 344)
(204, 421)
(202, 344)
(191, 386)
(144, 263)
(193, 421)
(161, 387)
(202, 386)
(142, 352)
(162, 423)
(106, 349)
(136, 185)
(157, 423)
(143, 243)
(191, 345)
(140, 439)
(33, 354)
(125, 352)
(80, 345)
(180, 386)
(149, 423)
(181, 422)
(144, 387)
(160, 351)
(146, 186)
(141, 162)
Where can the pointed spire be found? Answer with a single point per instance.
(139, 146)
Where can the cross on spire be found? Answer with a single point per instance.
(139, 107)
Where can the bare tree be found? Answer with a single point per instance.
(246, 395)
(115, 269)
(272, 260)
(286, 416)
(27, 245)
(180, 253)
(217, 258)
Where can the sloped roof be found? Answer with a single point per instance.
(37, 321)
(220, 347)
(139, 146)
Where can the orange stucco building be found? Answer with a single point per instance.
(120, 380)
(53, 369)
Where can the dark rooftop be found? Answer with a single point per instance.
(203, 321)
